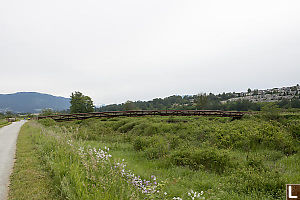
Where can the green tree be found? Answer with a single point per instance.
(129, 105)
(270, 111)
(201, 101)
(81, 103)
(9, 114)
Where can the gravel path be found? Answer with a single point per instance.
(8, 138)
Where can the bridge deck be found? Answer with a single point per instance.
(135, 113)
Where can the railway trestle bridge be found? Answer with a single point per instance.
(137, 113)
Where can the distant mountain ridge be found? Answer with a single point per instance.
(33, 102)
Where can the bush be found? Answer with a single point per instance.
(140, 143)
(294, 128)
(139, 128)
(118, 124)
(211, 159)
(174, 141)
(255, 162)
(270, 111)
(248, 180)
(146, 129)
(126, 127)
(151, 130)
(153, 147)
(47, 122)
(158, 148)
(240, 135)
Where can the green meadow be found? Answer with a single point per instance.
(170, 157)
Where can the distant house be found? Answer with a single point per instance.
(11, 119)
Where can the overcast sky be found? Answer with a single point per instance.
(121, 50)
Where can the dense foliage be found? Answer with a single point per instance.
(252, 158)
(81, 103)
(201, 101)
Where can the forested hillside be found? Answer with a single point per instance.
(201, 101)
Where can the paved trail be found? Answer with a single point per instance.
(8, 138)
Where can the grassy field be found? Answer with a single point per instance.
(30, 179)
(170, 157)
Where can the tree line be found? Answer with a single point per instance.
(83, 104)
(200, 102)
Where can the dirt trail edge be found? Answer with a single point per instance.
(8, 139)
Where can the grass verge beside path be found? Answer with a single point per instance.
(29, 180)
(4, 123)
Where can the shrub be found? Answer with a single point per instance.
(248, 180)
(211, 159)
(255, 162)
(47, 122)
(270, 111)
(140, 143)
(146, 129)
(118, 124)
(240, 135)
(174, 141)
(126, 127)
(158, 148)
(153, 147)
(151, 130)
(139, 128)
(294, 128)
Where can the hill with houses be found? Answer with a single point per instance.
(249, 100)
(267, 95)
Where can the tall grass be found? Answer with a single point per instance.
(29, 179)
(84, 172)
(252, 158)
